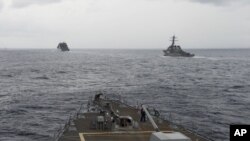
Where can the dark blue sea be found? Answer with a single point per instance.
(39, 89)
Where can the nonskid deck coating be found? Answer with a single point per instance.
(84, 132)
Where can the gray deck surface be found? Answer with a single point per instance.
(83, 130)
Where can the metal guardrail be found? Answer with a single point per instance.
(69, 121)
(119, 98)
(157, 113)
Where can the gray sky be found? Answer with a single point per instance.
(124, 23)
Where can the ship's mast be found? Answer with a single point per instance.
(173, 40)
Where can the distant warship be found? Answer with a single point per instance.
(63, 46)
(175, 50)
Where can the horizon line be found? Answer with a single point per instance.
(4, 48)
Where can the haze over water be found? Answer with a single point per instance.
(40, 88)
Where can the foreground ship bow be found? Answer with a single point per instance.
(176, 51)
(110, 119)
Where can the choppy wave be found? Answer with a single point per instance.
(41, 77)
(40, 88)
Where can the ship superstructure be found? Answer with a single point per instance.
(63, 46)
(175, 50)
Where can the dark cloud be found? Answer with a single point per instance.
(25, 3)
(221, 2)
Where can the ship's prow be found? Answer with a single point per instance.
(108, 118)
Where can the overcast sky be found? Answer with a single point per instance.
(124, 23)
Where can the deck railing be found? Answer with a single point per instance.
(174, 122)
(68, 123)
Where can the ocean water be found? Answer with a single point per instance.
(39, 89)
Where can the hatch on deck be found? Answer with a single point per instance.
(126, 121)
(175, 136)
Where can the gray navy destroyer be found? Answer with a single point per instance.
(110, 118)
(175, 50)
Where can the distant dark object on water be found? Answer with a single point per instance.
(175, 50)
(63, 46)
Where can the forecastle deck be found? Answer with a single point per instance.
(86, 127)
